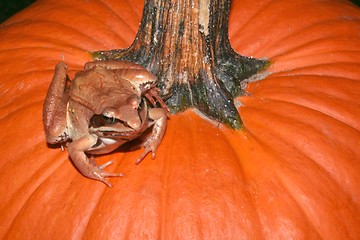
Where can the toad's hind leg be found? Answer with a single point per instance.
(54, 111)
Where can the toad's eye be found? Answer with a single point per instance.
(101, 120)
(109, 120)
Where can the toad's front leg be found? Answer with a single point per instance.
(159, 118)
(85, 165)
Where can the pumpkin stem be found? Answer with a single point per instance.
(185, 43)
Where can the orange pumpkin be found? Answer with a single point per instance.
(292, 173)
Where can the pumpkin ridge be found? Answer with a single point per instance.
(11, 107)
(119, 34)
(54, 179)
(304, 207)
(250, 19)
(277, 12)
(345, 56)
(86, 16)
(271, 156)
(333, 26)
(91, 214)
(165, 172)
(68, 7)
(339, 191)
(331, 160)
(166, 197)
(327, 175)
(329, 105)
(230, 136)
(325, 171)
(308, 83)
(321, 48)
(71, 58)
(316, 112)
(129, 2)
(129, 26)
(25, 191)
(325, 110)
(129, 228)
(70, 50)
(236, 38)
(288, 74)
(296, 203)
(187, 121)
(44, 73)
(332, 70)
(245, 176)
(50, 39)
(23, 151)
(16, 109)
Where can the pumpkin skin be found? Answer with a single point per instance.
(293, 172)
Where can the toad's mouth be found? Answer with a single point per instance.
(119, 132)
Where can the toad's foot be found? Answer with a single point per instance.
(98, 173)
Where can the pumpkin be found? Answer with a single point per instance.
(293, 172)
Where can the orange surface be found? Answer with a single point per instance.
(292, 173)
